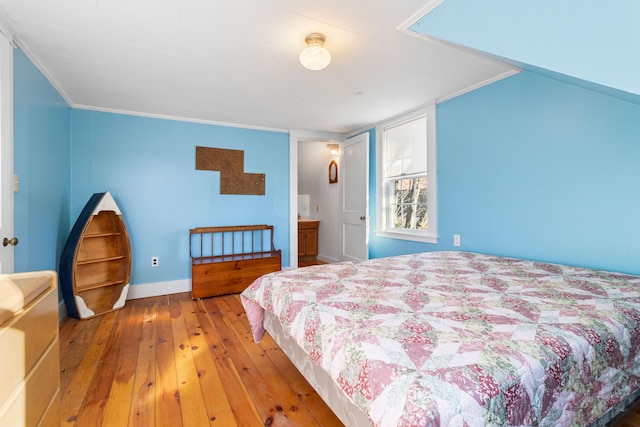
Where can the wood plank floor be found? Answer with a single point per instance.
(310, 262)
(171, 361)
(630, 419)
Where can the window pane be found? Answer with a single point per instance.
(405, 173)
(406, 148)
(408, 203)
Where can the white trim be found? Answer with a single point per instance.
(327, 259)
(407, 236)
(45, 72)
(466, 49)
(6, 28)
(147, 290)
(307, 136)
(441, 99)
(34, 59)
(418, 14)
(432, 176)
(8, 179)
(398, 117)
(71, 104)
(470, 51)
(478, 85)
(293, 201)
(176, 118)
(62, 311)
(425, 10)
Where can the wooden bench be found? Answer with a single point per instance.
(225, 260)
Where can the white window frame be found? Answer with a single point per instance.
(430, 236)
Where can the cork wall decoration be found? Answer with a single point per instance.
(230, 164)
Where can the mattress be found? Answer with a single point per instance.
(455, 338)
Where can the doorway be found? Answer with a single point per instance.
(330, 204)
(319, 197)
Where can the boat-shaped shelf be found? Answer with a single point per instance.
(96, 260)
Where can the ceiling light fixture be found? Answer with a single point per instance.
(315, 57)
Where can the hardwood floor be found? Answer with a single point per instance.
(310, 262)
(171, 361)
(630, 419)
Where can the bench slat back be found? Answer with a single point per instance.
(213, 242)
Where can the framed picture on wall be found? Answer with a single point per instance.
(333, 172)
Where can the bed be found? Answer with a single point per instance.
(457, 339)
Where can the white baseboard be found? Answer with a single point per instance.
(147, 290)
(144, 291)
(327, 259)
(62, 311)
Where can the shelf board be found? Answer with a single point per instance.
(97, 260)
(107, 234)
(84, 288)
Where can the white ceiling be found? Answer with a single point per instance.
(236, 61)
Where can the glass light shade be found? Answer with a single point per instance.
(334, 149)
(315, 57)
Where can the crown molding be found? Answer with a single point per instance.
(418, 14)
(6, 28)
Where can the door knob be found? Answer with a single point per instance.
(12, 241)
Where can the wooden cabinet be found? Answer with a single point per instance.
(29, 368)
(308, 239)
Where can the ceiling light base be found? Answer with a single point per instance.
(315, 57)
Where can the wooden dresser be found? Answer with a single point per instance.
(308, 239)
(29, 356)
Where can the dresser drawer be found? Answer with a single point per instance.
(51, 417)
(36, 392)
(24, 338)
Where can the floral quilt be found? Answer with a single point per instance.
(463, 339)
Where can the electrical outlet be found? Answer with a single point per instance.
(456, 240)
(154, 261)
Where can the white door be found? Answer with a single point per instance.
(355, 198)
(6, 155)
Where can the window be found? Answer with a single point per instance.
(406, 202)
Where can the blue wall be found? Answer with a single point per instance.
(41, 161)
(537, 168)
(528, 166)
(64, 155)
(594, 40)
(148, 165)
